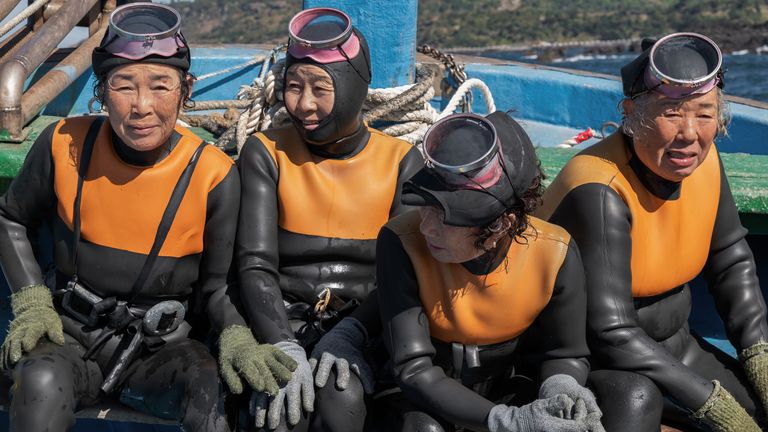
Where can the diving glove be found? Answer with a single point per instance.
(558, 413)
(755, 361)
(567, 385)
(722, 413)
(33, 318)
(263, 366)
(298, 394)
(342, 347)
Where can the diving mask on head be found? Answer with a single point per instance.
(464, 150)
(477, 168)
(676, 66)
(142, 32)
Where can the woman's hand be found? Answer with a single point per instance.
(567, 385)
(342, 347)
(34, 317)
(264, 367)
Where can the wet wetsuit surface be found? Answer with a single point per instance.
(123, 200)
(642, 239)
(522, 308)
(309, 219)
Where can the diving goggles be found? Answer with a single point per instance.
(682, 64)
(323, 34)
(464, 149)
(138, 30)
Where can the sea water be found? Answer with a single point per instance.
(746, 74)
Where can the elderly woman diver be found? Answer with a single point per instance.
(483, 306)
(143, 215)
(650, 208)
(315, 194)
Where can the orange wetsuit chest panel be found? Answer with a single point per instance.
(485, 309)
(335, 198)
(122, 204)
(670, 238)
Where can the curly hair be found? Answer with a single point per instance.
(100, 87)
(528, 202)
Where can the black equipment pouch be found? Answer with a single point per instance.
(320, 318)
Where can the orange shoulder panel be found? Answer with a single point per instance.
(663, 231)
(335, 198)
(122, 204)
(485, 309)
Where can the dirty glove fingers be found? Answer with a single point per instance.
(260, 404)
(342, 373)
(278, 371)
(293, 404)
(55, 332)
(32, 336)
(308, 396)
(230, 377)
(323, 369)
(254, 375)
(579, 410)
(284, 358)
(275, 409)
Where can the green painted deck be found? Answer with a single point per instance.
(747, 174)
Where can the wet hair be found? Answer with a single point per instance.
(643, 114)
(100, 87)
(529, 201)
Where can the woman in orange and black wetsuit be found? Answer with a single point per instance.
(315, 195)
(117, 323)
(473, 290)
(650, 208)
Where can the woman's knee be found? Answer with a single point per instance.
(630, 402)
(340, 410)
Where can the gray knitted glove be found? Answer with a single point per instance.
(722, 413)
(556, 414)
(567, 385)
(297, 394)
(33, 318)
(342, 347)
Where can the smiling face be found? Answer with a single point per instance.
(680, 135)
(308, 94)
(143, 101)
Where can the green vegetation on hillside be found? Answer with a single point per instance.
(454, 23)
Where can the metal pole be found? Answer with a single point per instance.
(390, 28)
(65, 73)
(27, 59)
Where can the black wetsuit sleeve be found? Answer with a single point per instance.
(256, 249)
(411, 163)
(218, 243)
(29, 199)
(731, 275)
(600, 222)
(557, 338)
(407, 339)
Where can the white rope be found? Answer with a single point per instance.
(465, 88)
(256, 60)
(26, 13)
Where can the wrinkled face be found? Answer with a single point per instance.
(308, 94)
(447, 243)
(143, 101)
(679, 137)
